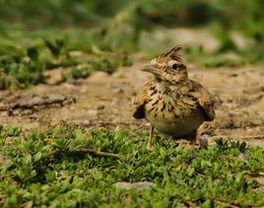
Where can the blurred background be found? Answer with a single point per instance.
(43, 35)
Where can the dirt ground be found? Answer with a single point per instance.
(105, 100)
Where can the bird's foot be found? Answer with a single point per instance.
(149, 146)
(183, 142)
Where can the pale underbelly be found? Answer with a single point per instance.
(176, 127)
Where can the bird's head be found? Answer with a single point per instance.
(169, 67)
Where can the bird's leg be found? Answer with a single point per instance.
(193, 137)
(150, 139)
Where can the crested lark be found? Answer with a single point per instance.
(173, 104)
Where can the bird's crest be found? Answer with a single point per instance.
(172, 53)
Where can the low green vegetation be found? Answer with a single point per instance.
(73, 167)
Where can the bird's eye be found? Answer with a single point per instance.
(175, 66)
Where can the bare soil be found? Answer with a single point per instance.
(105, 100)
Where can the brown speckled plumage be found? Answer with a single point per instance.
(173, 103)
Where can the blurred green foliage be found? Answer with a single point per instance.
(20, 68)
(122, 15)
(246, 15)
(124, 26)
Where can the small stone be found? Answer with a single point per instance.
(98, 77)
(85, 123)
(233, 75)
(137, 185)
(122, 185)
(203, 142)
(119, 90)
(142, 185)
(92, 112)
(100, 107)
(242, 156)
(53, 77)
(76, 53)
(4, 159)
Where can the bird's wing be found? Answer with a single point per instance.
(143, 97)
(204, 99)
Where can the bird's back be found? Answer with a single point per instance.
(203, 98)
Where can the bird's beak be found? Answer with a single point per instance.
(152, 68)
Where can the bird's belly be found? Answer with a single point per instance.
(176, 126)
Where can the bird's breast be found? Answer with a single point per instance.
(173, 115)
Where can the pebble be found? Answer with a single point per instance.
(137, 185)
(53, 77)
(92, 112)
(100, 107)
(4, 159)
(118, 90)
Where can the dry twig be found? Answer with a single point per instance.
(36, 103)
(79, 151)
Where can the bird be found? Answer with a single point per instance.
(172, 103)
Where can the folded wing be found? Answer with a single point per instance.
(204, 100)
(143, 97)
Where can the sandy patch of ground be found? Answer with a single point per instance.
(105, 100)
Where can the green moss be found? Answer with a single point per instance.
(211, 176)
